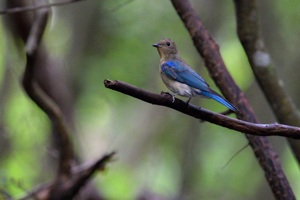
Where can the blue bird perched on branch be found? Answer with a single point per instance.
(180, 78)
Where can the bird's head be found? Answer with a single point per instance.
(166, 48)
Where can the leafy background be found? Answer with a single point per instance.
(158, 150)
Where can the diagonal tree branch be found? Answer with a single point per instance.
(248, 28)
(81, 175)
(209, 50)
(166, 100)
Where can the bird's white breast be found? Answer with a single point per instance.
(177, 87)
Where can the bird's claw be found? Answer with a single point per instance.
(167, 93)
(173, 98)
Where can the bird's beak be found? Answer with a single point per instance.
(155, 45)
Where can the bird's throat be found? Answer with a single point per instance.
(167, 57)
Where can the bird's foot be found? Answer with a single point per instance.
(167, 93)
(173, 98)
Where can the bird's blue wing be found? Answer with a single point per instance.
(179, 71)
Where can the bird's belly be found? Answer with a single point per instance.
(179, 88)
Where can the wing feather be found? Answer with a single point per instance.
(180, 72)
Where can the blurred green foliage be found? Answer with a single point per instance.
(2, 52)
(155, 148)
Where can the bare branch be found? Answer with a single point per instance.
(67, 183)
(248, 28)
(40, 97)
(81, 175)
(61, 3)
(203, 114)
(36, 7)
(209, 50)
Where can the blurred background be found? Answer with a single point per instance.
(159, 151)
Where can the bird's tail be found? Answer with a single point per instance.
(215, 96)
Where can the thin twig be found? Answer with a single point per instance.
(36, 7)
(61, 3)
(234, 155)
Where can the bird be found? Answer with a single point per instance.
(180, 78)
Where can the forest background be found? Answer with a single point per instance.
(159, 151)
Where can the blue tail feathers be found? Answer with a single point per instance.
(213, 95)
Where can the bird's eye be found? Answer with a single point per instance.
(168, 43)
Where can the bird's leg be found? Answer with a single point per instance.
(173, 95)
(188, 101)
(173, 98)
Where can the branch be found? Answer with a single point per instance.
(45, 102)
(209, 50)
(248, 29)
(203, 114)
(61, 3)
(67, 183)
(81, 175)
(36, 7)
